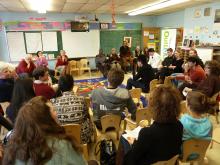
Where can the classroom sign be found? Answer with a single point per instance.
(168, 40)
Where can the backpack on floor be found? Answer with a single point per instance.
(107, 151)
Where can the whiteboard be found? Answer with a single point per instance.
(33, 42)
(49, 40)
(81, 44)
(16, 45)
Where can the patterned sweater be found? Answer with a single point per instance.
(72, 109)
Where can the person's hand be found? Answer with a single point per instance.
(172, 67)
(160, 66)
(131, 140)
(172, 77)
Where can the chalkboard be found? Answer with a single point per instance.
(113, 39)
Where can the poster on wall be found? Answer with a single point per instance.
(168, 41)
(217, 16)
(128, 39)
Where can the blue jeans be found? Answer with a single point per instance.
(175, 82)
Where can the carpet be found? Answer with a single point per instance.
(86, 86)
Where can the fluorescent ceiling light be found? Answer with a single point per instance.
(40, 5)
(155, 6)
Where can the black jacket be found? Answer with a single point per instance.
(156, 143)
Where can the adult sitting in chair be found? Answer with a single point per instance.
(211, 84)
(72, 108)
(114, 59)
(112, 99)
(164, 69)
(100, 62)
(162, 140)
(62, 62)
(143, 77)
(26, 67)
(193, 75)
(7, 78)
(154, 60)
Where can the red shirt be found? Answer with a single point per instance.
(61, 62)
(196, 75)
(22, 67)
(43, 89)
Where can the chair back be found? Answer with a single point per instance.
(195, 146)
(73, 64)
(88, 102)
(135, 94)
(111, 120)
(73, 130)
(4, 106)
(183, 107)
(153, 84)
(83, 63)
(168, 82)
(171, 161)
(143, 114)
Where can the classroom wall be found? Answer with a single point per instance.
(201, 28)
(171, 20)
(148, 21)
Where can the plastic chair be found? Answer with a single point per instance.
(215, 137)
(141, 114)
(136, 95)
(109, 121)
(74, 130)
(192, 147)
(153, 84)
(73, 67)
(171, 161)
(168, 82)
(84, 65)
(216, 112)
(183, 107)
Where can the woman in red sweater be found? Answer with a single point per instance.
(26, 66)
(62, 62)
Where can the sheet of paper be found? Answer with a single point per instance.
(132, 133)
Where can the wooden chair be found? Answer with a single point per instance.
(215, 137)
(4, 106)
(183, 107)
(111, 120)
(136, 95)
(153, 84)
(213, 99)
(84, 65)
(194, 146)
(74, 130)
(141, 114)
(171, 161)
(167, 81)
(73, 67)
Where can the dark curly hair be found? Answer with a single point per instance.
(34, 124)
(165, 104)
(214, 67)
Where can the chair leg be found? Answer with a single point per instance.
(85, 151)
(125, 124)
(216, 117)
(211, 145)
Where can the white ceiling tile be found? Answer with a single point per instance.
(89, 7)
